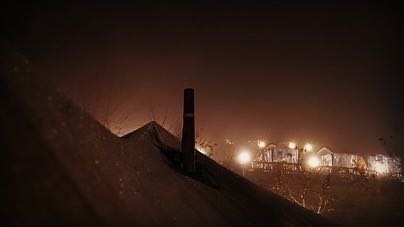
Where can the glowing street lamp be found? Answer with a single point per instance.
(313, 162)
(244, 157)
(261, 144)
(308, 147)
(292, 145)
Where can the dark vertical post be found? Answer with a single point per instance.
(272, 154)
(188, 132)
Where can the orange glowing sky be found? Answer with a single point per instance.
(324, 74)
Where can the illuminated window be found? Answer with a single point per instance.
(379, 158)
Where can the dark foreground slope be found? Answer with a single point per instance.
(61, 167)
(228, 191)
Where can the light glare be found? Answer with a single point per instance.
(380, 168)
(244, 157)
(313, 162)
(292, 145)
(201, 149)
(308, 147)
(261, 144)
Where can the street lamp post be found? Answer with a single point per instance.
(244, 157)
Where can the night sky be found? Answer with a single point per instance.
(325, 74)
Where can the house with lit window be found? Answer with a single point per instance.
(326, 156)
(279, 153)
(383, 165)
(330, 158)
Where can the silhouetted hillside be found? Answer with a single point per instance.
(63, 167)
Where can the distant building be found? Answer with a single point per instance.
(383, 165)
(329, 158)
(379, 164)
(326, 157)
(279, 153)
(267, 155)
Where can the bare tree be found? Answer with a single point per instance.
(207, 147)
(307, 191)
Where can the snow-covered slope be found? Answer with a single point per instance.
(63, 167)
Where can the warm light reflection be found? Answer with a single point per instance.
(292, 145)
(261, 144)
(313, 162)
(381, 169)
(308, 147)
(201, 149)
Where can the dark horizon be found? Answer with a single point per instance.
(318, 73)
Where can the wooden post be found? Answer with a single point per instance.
(188, 132)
